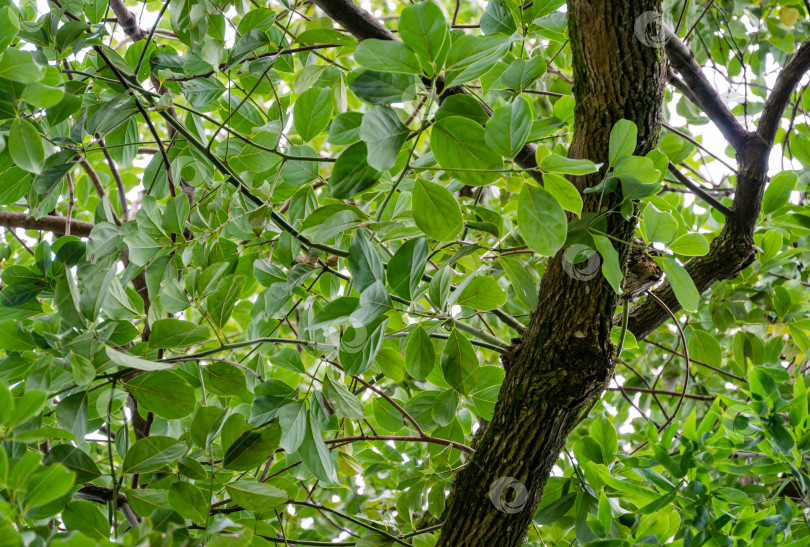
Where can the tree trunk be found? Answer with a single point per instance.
(565, 356)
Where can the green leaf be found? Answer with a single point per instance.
(45, 485)
(19, 66)
(778, 191)
(256, 496)
(659, 226)
(176, 333)
(252, 448)
(87, 518)
(567, 166)
(315, 455)
(345, 128)
(509, 127)
(636, 169)
(364, 262)
(406, 267)
(163, 392)
(352, 174)
(420, 357)
(541, 220)
(482, 293)
(175, 215)
(293, 421)
(472, 56)
(460, 147)
(376, 87)
(312, 112)
(74, 459)
(387, 56)
(564, 192)
(224, 379)
(247, 42)
(384, 136)
(459, 363)
(25, 146)
(423, 28)
(623, 138)
(186, 499)
(9, 26)
(436, 211)
(604, 433)
(682, 285)
(130, 361)
(342, 400)
(521, 73)
(692, 244)
(611, 268)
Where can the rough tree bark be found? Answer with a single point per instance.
(564, 358)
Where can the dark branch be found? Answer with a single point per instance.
(702, 92)
(698, 191)
(48, 223)
(786, 82)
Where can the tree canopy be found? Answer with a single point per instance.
(404, 273)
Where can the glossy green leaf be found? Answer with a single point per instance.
(541, 220)
(436, 211)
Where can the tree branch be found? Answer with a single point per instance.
(48, 223)
(698, 191)
(706, 97)
(779, 98)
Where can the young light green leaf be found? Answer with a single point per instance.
(255, 496)
(565, 193)
(541, 220)
(692, 244)
(610, 262)
(482, 293)
(623, 138)
(682, 284)
(555, 163)
(778, 191)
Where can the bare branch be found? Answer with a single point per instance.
(698, 191)
(48, 223)
(706, 97)
(779, 98)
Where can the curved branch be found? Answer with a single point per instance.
(702, 92)
(779, 98)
